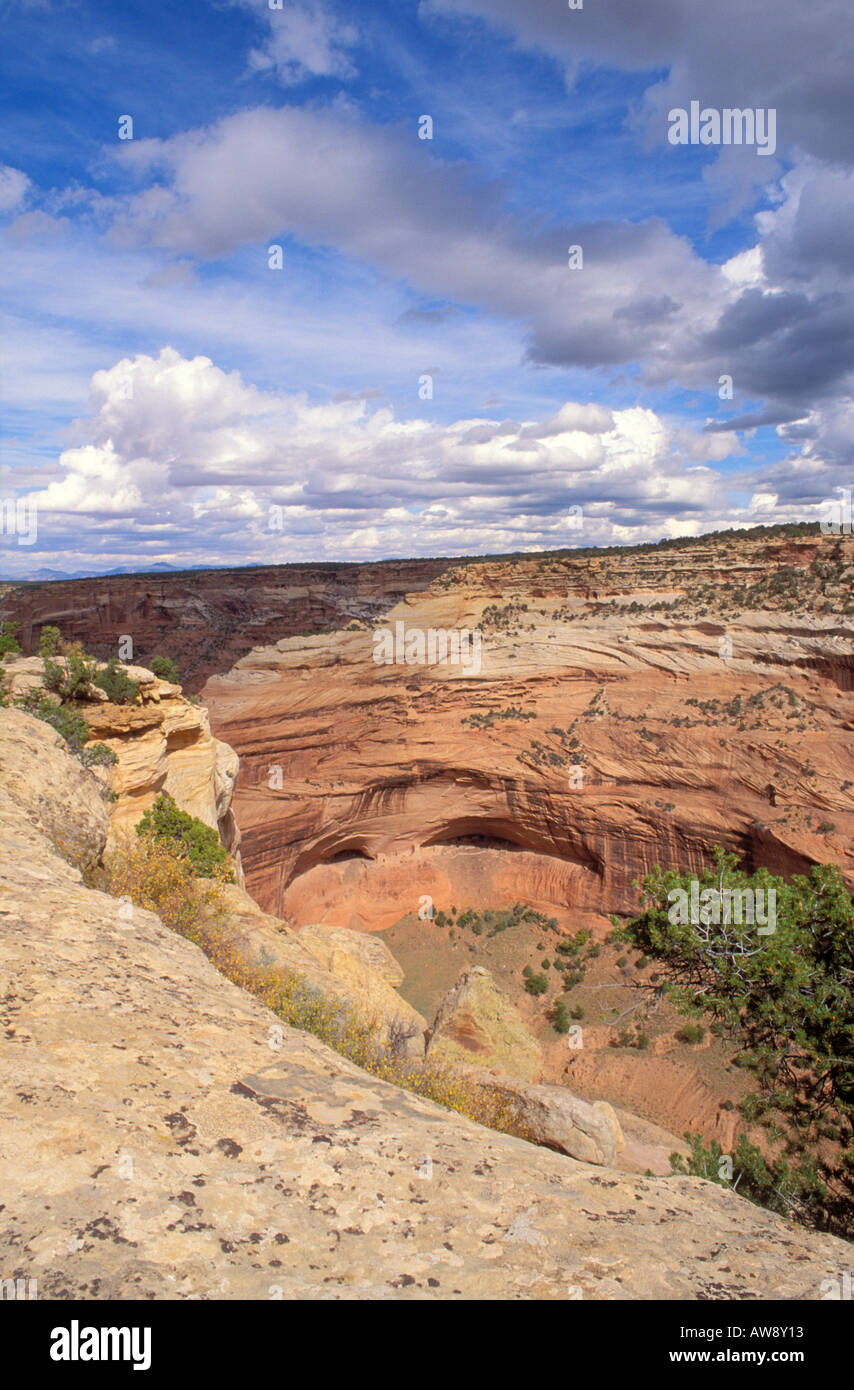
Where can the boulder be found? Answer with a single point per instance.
(556, 1119)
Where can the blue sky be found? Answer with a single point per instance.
(425, 374)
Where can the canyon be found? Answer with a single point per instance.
(164, 1136)
(627, 712)
(207, 619)
(628, 708)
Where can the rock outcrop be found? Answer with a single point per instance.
(477, 1023)
(48, 794)
(162, 743)
(163, 1136)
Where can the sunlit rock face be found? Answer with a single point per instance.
(162, 742)
(625, 710)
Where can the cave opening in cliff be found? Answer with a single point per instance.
(480, 841)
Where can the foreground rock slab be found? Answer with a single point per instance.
(358, 970)
(162, 1135)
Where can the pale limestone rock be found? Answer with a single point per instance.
(556, 1119)
(163, 743)
(22, 674)
(611, 1116)
(340, 964)
(322, 942)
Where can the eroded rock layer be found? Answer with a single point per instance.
(624, 711)
(206, 619)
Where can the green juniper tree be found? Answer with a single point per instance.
(786, 999)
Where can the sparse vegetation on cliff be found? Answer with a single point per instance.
(68, 677)
(507, 619)
(8, 641)
(493, 920)
(786, 1000)
(187, 837)
(70, 724)
(165, 669)
(156, 871)
(8, 647)
(155, 874)
(486, 721)
(67, 721)
(116, 684)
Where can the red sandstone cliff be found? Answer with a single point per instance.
(206, 620)
(699, 714)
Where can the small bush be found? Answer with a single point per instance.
(188, 837)
(50, 642)
(69, 679)
(165, 669)
(116, 684)
(560, 1018)
(150, 872)
(536, 984)
(98, 755)
(8, 642)
(636, 1038)
(691, 1033)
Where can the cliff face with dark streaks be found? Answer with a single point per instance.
(628, 710)
(206, 620)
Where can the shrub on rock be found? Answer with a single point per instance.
(196, 842)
